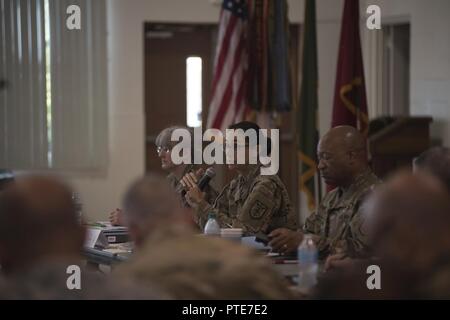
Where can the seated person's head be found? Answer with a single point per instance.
(150, 204)
(164, 146)
(342, 155)
(243, 145)
(38, 221)
(435, 161)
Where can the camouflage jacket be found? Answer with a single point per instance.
(338, 220)
(256, 203)
(49, 278)
(189, 266)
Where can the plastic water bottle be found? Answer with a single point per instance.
(307, 263)
(212, 227)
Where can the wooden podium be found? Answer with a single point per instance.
(395, 142)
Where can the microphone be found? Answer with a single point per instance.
(204, 180)
(207, 177)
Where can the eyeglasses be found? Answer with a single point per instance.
(160, 149)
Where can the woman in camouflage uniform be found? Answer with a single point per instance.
(251, 201)
(164, 147)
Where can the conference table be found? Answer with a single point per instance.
(116, 254)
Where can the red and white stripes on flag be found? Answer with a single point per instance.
(228, 100)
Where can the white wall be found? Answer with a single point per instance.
(101, 192)
(430, 57)
(430, 71)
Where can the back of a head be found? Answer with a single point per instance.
(412, 212)
(408, 223)
(195, 267)
(149, 202)
(437, 162)
(408, 219)
(37, 220)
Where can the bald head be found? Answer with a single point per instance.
(342, 155)
(346, 137)
(37, 221)
(409, 219)
(151, 202)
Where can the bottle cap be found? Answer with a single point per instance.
(211, 215)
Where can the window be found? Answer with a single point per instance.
(395, 66)
(53, 106)
(194, 91)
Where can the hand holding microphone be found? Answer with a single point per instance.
(194, 186)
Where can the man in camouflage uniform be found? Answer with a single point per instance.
(251, 201)
(170, 256)
(407, 225)
(336, 224)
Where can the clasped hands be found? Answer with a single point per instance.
(194, 196)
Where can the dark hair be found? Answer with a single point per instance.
(247, 125)
(436, 161)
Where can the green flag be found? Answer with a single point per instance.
(307, 112)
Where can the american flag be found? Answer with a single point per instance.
(228, 101)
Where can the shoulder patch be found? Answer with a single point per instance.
(258, 210)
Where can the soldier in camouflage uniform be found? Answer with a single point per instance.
(176, 172)
(338, 220)
(251, 201)
(170, 256)
(407, 225)
(336, 224)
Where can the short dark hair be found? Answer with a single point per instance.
(436, 161)
(248, 125)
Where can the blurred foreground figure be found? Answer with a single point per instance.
(435, 161)
(40, 237)
(185, 265)
(408, 225)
